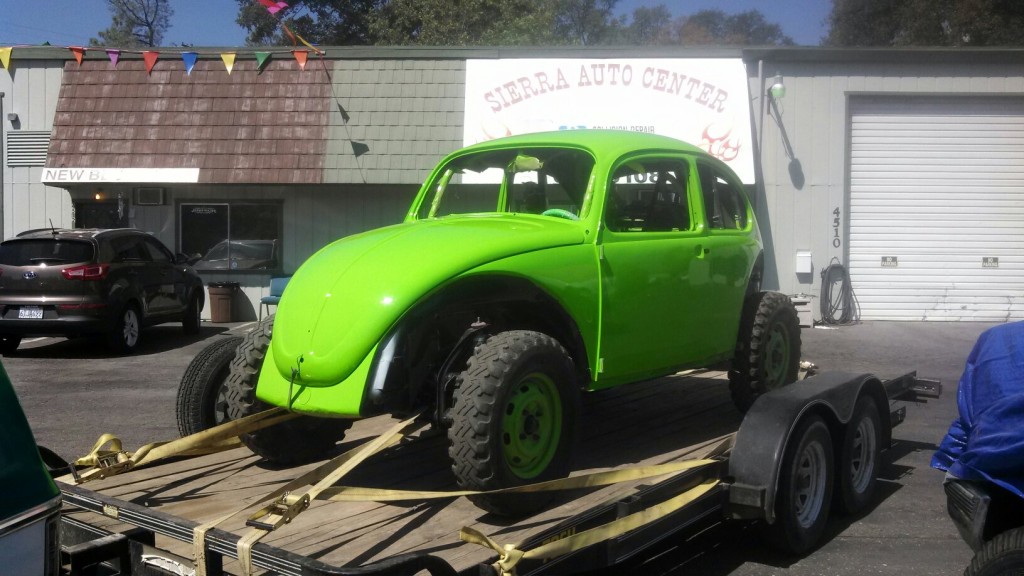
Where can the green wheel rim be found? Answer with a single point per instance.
(531, 426)
(776, 357)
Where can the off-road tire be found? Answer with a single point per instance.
(522, 373)
(303, 439)
(202, 393)
(126, 332)
(859, 458)
(804, 493)
(9, 344)
(190, 317)
(767, 348)
(1000, 556)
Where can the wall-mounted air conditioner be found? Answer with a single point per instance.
(149, 196)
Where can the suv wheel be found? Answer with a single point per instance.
(294, 441)
(8, 344)
(124, 338)
(190, 317)
(767, 350)
(514, 419)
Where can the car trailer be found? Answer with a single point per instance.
(794, 448)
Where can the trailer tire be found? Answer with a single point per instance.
(859, 458)
(1000, 556)
(804, 492)
(767, 348)
(297, 441)
(514, 419)
(202, 394)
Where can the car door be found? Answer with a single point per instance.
(655, 276)
(169, 288)
(731, 247)
(131, 270)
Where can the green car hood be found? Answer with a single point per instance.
(345, 298)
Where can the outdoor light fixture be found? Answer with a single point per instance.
(12, 117)
(777, 89)
(98, 195)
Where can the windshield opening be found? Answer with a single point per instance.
(519, 180)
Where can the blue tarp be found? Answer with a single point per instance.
(987, 441)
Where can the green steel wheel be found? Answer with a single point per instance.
(514, 419)
(767, 349)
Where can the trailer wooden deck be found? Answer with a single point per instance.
(655, 422)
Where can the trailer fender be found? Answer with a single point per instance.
(761, 441)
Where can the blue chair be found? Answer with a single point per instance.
(276, 290)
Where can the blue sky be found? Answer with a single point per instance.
(212, 22)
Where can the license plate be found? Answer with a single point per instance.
(31, 312)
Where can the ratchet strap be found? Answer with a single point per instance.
(108, 456)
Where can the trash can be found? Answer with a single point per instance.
(221, 294)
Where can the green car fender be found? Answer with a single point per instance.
(343, 301)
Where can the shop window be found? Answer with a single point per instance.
(231, 236)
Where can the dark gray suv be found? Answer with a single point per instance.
(59, 282)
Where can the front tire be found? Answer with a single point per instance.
(124, 337)
(202, 395)
(767, 349)
(514, 419)
(1000, 556)
(297, 441)
(190, 317)
(804, 493)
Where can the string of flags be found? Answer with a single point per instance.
(188, 57)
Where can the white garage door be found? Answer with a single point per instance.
(937, 208)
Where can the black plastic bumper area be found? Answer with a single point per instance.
(968, 504)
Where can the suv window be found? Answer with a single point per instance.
(45, 251)
(724, 205)
(129, 249)
(649, 195)
(157, 251)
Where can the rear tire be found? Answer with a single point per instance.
(857, 472)
(124, 337)
(190, 317)
(767, 349)
(804, 493)
(202, 394)
(1000, 556)
(514, 419)
(303, 439)
(9, 344)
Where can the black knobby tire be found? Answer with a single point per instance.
(859, 458)
(804, 492)
(303, 439)
(1000, 556)
(190, 317)
(127, 330)
(767, 348)
(202, 393)
(9, 344)
(514, 419)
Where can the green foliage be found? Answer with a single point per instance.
(926, 23)
(463, 22)
(135, 23)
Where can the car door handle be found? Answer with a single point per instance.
(701, 251)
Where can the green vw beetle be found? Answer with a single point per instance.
(528, 271)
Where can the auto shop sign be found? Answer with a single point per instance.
(703, 101)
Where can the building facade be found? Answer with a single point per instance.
(904, 166)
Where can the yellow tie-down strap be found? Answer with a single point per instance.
(108, 456)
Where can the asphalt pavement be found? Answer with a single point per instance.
(74, 390)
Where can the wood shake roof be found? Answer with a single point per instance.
(243, 127)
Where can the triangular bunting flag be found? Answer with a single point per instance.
(300, 57)
(229, 60)
(114, 55)
(273, 7)
(78, 51)
(359, 148)
(189, 58)
(150, 57)
(5, 57)
(261, 60)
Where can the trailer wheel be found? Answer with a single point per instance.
(1000, 556)
(514, 419)
(767, 348)
(293, 442)
(857, 474)
(805, 489)
(202, 395)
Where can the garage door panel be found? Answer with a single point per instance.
(937, 191)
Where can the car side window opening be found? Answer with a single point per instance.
(649, 195)
(128, 249)
(724, 205)
(157, 252)
(549, 181)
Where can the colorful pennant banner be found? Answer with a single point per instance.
(114, 55)
(78, 51)
(5, 57)
(229, 61)
(189, 58)
(261, 60)
(150, 56)
(300, 57)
